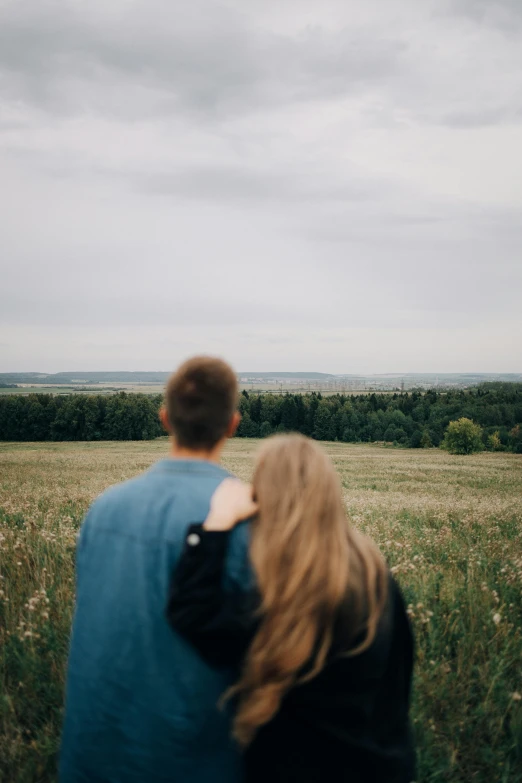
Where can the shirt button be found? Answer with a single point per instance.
(193, 539)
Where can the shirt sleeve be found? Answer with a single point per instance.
(219, 623)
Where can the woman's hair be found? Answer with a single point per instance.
(308, 562)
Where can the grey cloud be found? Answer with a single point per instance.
(157, 59)
(448, 219)
(215, 61)
(241, 184)
(485, 117)
(287, 321)
(75, 308)
(228, 176)
(505, 15)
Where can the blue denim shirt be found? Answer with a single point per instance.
(141, 705)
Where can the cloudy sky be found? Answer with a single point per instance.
(332, 186)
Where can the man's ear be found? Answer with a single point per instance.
(164, 418)
(234, 424)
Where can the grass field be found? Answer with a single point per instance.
(158, 388)
(451, 528)
(95, 388)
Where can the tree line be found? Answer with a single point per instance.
(414, 419)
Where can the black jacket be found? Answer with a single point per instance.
(348, 724)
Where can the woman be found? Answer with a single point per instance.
(324, 642)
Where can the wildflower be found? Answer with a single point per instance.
(516, 696)
(496, 618)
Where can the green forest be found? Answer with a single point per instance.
(416, 419)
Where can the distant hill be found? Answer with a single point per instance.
(312, 376)
(443, 378)
(60, 378)
(382, 380)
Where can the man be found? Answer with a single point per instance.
(141, 705)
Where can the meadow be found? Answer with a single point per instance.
(450, 527)
(157, 388)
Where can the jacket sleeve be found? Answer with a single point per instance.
(404, 629)
(219, 623)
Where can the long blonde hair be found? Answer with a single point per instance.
(308, 561)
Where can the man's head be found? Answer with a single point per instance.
(200, 404)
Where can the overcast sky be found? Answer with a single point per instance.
(332, 186)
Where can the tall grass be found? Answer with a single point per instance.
(450, 528)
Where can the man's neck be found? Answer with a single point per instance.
(207, 455)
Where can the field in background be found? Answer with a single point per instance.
(158, 388)
(95, 388)
(449, 526)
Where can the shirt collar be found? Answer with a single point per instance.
(175, 465)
